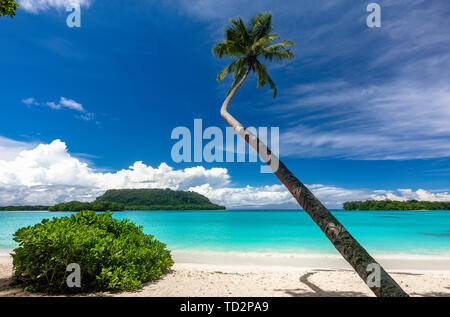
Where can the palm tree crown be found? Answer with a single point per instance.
(246, 43)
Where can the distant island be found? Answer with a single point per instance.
(158, 199)
(24, 208)
(396, 205)
(132, 199)
(95, 206)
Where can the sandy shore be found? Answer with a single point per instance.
(259, 275)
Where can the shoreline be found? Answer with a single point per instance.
(309, 260)
(266, 275)
(245, 279)
(300, 260)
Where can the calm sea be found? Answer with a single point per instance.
(380, 232)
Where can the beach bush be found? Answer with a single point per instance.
(113, 255)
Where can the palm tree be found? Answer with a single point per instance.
(246, 44)
(8, 8)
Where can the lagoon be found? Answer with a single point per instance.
(380, 232)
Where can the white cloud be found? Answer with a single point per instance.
(66, 103)
(9, 149)
(248, 197)
(398, 120)
(30, 101)
(71, 104)
(15, 195)
(49, 174)
(36, 6)
(53, 105)
(51, 164)
(87, 116)
(333, 196)
(277, 196)
(408, 194)
(47, 171)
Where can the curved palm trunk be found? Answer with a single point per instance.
(342, 240)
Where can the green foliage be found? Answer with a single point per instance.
(248, 42)
(8, 8)
(396, 205)
(157, 199)
(95, 206)
(23, 208)
(113, 255)
(133, 199)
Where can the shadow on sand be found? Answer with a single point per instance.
(316, 291)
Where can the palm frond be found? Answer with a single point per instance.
(262, 25)
(220, 50)
(277, 55)
(264, 41)
(245, 32)
(240, 70)
(237, 79)
(264, 78)
(282, 44)
(234, 66)
(235, 48)
(245, 43)
(272, 86)
(227, 70)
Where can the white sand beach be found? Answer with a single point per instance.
(261, 274)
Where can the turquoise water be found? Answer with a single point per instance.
(381, 232)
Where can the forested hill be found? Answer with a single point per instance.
(157, 199)
(396, 205)
(132, 199)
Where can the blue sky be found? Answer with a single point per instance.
(362, 112)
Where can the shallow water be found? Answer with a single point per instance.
(381, 232)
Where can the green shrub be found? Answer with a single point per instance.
(114, 255)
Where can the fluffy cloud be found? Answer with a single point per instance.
(16, 195)
(49, 174)
(9, 149)
(248, 197)
(66, 103)
(408, 194)
(35, 6)
(51, 164)
(277, 196)
(334, 197)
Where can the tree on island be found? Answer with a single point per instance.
(396, 205)
(8, 8)
(246, 44)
